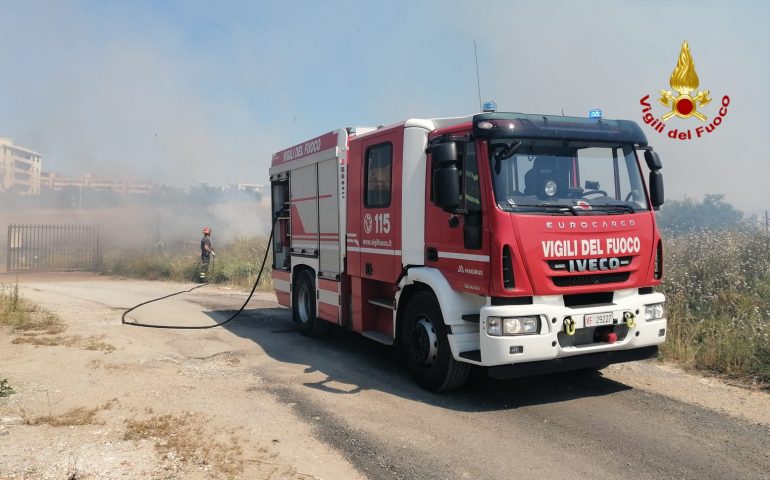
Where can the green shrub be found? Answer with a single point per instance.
(5, 389)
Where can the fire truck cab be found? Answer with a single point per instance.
(522, 243)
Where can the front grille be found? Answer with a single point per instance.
(597, 279)
(577, 300)
(511, 301)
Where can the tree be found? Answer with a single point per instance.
(713, 213)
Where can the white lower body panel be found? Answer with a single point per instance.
(497, 350)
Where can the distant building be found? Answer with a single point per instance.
(19, 169)
(55, 181)
(250, 187)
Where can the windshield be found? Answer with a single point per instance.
(566, 177)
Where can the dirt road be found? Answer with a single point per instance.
(255, 399)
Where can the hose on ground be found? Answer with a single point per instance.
(203, 327)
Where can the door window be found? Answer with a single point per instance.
(377, 176)
(471, 192)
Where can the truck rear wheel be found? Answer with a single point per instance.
(426, 348)
(304, 306)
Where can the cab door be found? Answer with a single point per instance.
(380, 216)
(458, 242)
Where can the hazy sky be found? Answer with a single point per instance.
(194, 91)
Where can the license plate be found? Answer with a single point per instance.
(597, 319)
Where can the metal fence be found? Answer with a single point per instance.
(53, 247)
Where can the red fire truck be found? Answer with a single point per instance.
(522, 243)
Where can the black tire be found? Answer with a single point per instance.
(426, 349)
(304, 305)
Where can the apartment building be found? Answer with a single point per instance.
(55, 181)
(19, 169)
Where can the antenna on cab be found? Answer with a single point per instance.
(478, 82)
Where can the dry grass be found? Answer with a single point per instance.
(717, 287)
(236, 263)
(36, 326)
(13, 308)
(184, 439)
(21, 315)
(44, 341)
(40, 322)
(76, 416)
(24, 317)
(73, 417)
(95, 343)
(88, 343)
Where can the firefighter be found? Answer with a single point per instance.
(206, 253)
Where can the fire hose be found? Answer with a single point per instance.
(189, 327)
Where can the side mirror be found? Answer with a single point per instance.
(446, 177)
(653, 160)
(446, 184)
(656, 189)
(444, 152)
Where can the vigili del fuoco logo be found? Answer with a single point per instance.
(682, 104)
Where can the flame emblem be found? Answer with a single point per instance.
(684, 80)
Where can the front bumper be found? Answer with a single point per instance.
(473, 345)
(591, 360)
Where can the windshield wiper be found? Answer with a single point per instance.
(552, 206)
(562, 208)
(610, 208)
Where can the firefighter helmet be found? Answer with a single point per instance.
(207, 231)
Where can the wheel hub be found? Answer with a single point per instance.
(423, 342)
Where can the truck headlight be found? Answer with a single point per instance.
(654, 312)
(511, 326)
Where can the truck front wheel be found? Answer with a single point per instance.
(426, 348)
